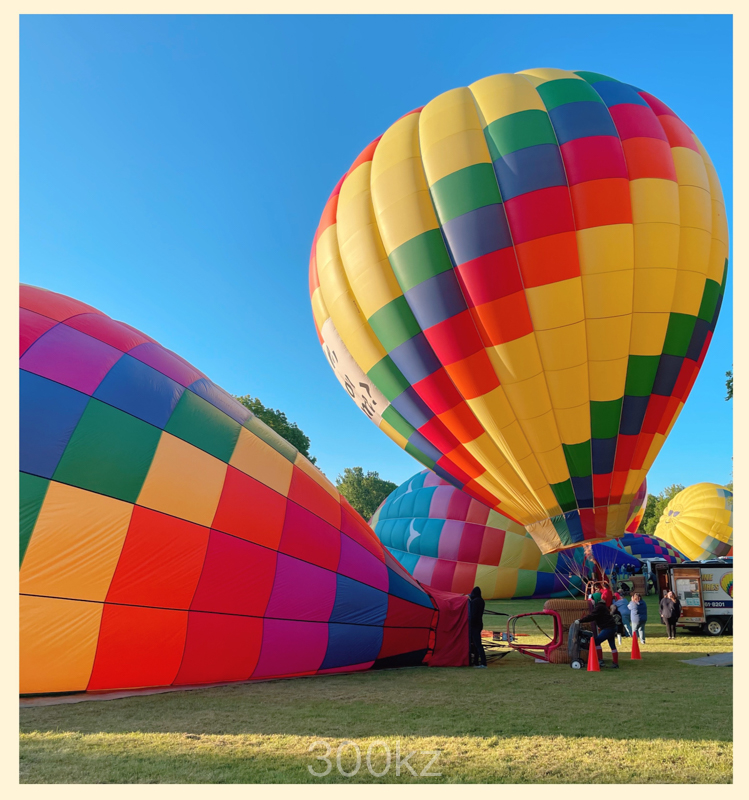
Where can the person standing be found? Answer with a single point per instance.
(476, 607)
(670, 609)
(638, 612)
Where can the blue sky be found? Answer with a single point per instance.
(173, 171)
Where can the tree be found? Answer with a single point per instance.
(655, 507)
(365, 492)
(729, 384)
(649, 513)
(276, 419)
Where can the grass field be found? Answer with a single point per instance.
(652, 721)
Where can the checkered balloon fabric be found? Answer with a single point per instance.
(518, 284)
(169, 537)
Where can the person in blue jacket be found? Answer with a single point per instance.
(638, 613)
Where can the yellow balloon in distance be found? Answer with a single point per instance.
(699, 522)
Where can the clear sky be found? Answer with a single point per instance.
(173, 171)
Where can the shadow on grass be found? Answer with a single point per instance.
(656, 697)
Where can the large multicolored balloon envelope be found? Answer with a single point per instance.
(518, 284)
(168, 537)
(699, 522)
(448, 540)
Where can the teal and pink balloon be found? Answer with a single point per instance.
(451, 541)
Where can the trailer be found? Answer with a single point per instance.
(705, 590)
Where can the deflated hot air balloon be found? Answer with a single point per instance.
(518, 284)
(699, 522)
(168, 537)
(450, 541)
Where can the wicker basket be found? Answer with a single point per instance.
(569, 611)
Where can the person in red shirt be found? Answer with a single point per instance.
(607, 596)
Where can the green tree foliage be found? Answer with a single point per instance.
(729, 385)
(365, 492)
(276, 419)
(656, 505)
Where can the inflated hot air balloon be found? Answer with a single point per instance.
(168, 537)
(518, 284)
(699, 522)
(451, 541)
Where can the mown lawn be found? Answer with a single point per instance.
(653, 721)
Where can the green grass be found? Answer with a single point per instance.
(653, 721)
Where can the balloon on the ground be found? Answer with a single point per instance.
(168, 537)
(699, 522)
(518, 284)
(448, 540)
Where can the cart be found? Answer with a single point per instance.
(578, 644)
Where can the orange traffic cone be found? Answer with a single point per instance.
(593, 665)
(636, 648)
